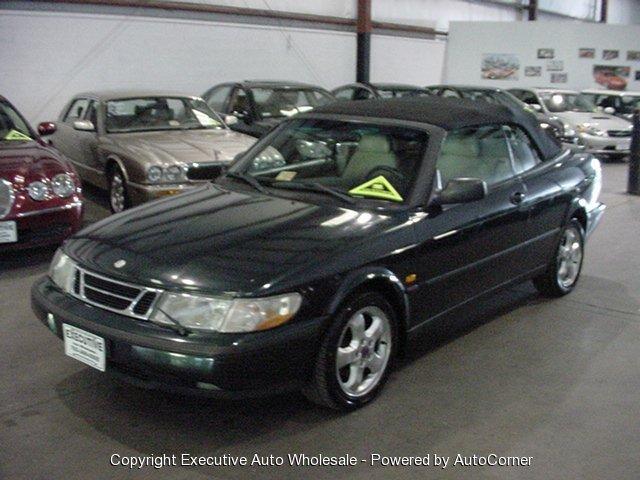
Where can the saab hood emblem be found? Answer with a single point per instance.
(120, 263)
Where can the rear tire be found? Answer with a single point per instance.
(118, 192)
(355, 355)
(563, 272)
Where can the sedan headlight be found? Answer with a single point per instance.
(154, 174)
(38, 190)
(173, 174)
(226, 315)
(591, 130)
(62, 185)
(62, 271)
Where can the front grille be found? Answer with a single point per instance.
(619, 133)
(7, 197)
(204, 171)
(127, 299)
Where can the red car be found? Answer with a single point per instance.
(40, 192)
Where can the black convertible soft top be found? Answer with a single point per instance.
(447, 113)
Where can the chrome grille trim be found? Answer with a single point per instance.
(7, 197)
(619, 133)
(82, 287)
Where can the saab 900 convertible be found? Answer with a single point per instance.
(386, 215)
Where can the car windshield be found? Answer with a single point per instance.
(567, 102)
(630, 103)
(12, 126)
(159, 113)
(349, 160)
(287, 101)
(402, 92)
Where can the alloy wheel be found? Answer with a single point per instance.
(117, 192)
(569, 258)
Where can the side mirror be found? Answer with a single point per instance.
(609, 110)
(537, 107)
(47, 128)
(462, 190)
(230, 120)
(84, 126)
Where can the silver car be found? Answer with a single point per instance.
(601, 133)
(615, 102)
(143, 145)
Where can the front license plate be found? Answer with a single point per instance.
(623, 146)
(84, 346)
(8, 232)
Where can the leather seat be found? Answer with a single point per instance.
(373, 151)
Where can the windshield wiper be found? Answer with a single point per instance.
(181, 329)
(315, 187)
(249, 180)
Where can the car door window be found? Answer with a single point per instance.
(344, 94)
(475, 153)
(217, 97)
(77, 110)
(525, 155)
(362, 94)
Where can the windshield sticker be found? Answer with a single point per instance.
(16, 135)
(378, 187)
(286, 176)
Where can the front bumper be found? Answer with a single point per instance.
(140, 193)
(220, 365)
(593, 218)
(606, 145)
(49, 226)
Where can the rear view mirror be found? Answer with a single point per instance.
(462, 190)
(46, 128)
(609, 110)
(84, 126)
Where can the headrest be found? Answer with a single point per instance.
(374, 143)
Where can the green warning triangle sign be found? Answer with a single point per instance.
(16, 135)
(378, 187)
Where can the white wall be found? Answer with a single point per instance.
(468, 41)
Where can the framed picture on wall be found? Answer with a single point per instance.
(587, 53)
(546, 53)
(555, 65)
(613, 77)
(633, 55)
(559, 77)
(610, 54)
(500, 66)
(532, 71)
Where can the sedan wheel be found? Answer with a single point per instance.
(563, 273)
(118, 200)
(355, 355)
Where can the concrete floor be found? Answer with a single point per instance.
(558, 381)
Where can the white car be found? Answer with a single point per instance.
(615, 102)
(600, 133)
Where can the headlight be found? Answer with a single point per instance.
(38, 190)
(154, 174)
(226, 315)
(62, 271)
(62, 185)
(590, 130)
(173, 174)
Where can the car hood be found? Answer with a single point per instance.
(183, 146)
(219, 240)
(597, 119)
(21, 162)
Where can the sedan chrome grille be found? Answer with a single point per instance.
(7, 197)
(619, 133)
(204, 171)
(114, 295)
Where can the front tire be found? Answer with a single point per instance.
(563, 272)
(355, 355)
(118, 191)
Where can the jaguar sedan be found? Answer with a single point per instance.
(143, 145)
(313, 275)
(40, 192)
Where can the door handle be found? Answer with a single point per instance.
(517, 198)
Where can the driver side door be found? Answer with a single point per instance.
(468, 249)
